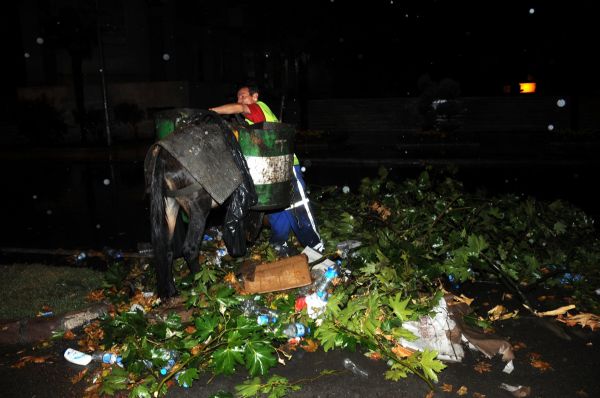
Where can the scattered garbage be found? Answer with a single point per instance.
(517, 391)
(113, 254)
(344, 248)
(264, 315)
(433, 333)
(324, 282)
(351, 366)
(171, 356)
(296, 330)
(80, 257)
(81, 358)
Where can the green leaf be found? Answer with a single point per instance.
(327, 335)
(140, 391)
(559, 228)
(430, 365)
(205, 326)
(187, 377)
(476, 245)
(399, 307)
(115, 381)
(225, 359)
(249, 388)
(396, 372)
(259, 358)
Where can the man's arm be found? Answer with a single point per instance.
(231, 109)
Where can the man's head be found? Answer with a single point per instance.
(247, 95)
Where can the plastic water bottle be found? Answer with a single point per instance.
(171, 357)
(81, 358)
(343, 248)
(81, 257)
(324, 281)
(296, 330)
(263, 315)
(107, 357)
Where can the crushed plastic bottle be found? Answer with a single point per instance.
(171, 357)
(81, 257)
(263, 315)
(324, 281)
(453, 282)
(112, 254)
(351, 366)
(81, 358)
(344, 248)
(297, 329)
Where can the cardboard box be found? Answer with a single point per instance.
(288, 273)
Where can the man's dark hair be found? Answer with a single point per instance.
(252, 88)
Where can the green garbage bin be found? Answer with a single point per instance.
(165, 122)
(269, 152)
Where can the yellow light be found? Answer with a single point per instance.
(527, 88)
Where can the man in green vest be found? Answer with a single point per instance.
(298, 217)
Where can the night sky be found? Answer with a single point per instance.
(355, 49)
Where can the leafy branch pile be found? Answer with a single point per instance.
(414, 235)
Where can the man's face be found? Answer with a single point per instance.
(244, 97)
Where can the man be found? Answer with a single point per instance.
(298, 217)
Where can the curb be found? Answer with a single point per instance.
(32, 330)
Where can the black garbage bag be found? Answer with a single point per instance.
(242, 199)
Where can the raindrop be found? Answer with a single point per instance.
(531, 11)
(34, 197)
(391, 1)
(49, 212)
(561, 103)
(266, 55)
(405, 15)
(26, 55)
(303, 169)
(97, 226)
(39, 40)
(550, 127)
(166, 57)
(345, 189)
(106, 181)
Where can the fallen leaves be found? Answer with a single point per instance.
(402, 352)
(446, 387)
(309, 345)
(499, 313)
(558, 311)
(536, 362)
(69, 335)
(382, 211)
(483, 367)
(463, 390)
(30, 359)
(584, 319)
(75, 379)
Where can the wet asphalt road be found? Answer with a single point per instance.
(572, 373)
